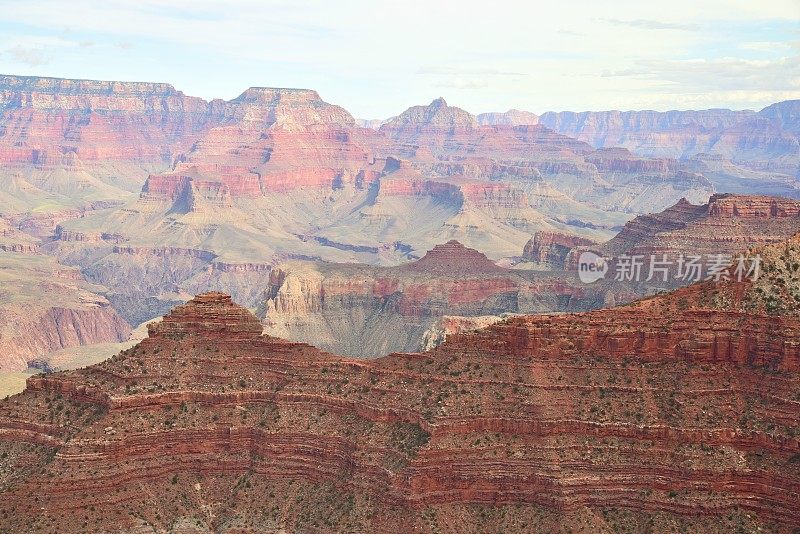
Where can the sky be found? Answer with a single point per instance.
(376, 58)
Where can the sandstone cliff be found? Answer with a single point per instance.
(364, 311)
(666, 414)
(551, 250)
(726, 224)
(280, 172)
(764, 141)
(45, 307)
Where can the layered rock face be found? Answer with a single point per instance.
(364, 311)
(52, 121)
(551, 249)
(758, 208)
(512, 117)
(727, 224)
(70, 148)
(447, 140)
(210, 315)
(454, 259)
(271, 140)
(763, 141)
(667, 133)
(684, 243)
(450, 325)
(611, 420)
(786, 114)
(438, 129)
(45, 307)
(67, 144)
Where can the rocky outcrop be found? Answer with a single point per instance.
(450, 325)
(210, 315)
(367, 311)
(14, 240)
(453, 260)
(753, 207)
(45, 307)
(551, 249)
(764, 141)
(616, 419)
(727, 224)
(512, 117)
(435, 116)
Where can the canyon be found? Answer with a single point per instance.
(46, 307)
(367, 311)
(128, 198)
(452, 268)
(361, 310)
(454, 288)
(678, 411)
(715, 140)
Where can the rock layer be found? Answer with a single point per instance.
(365, 311)
(727, 224)
(45, 307)
(612, 419)
(551, 249)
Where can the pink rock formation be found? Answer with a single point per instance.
(551, 249)
(58, 121)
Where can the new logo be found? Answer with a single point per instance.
(591, 267)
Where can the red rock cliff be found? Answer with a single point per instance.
(668, 411)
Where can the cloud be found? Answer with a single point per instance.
(576, 54)
(462, 83)
(468, 77)
(714, 75)
(571, 32)
(33, 57)
(455, 71)
(622, 73)
(644, 24)
(766, 46)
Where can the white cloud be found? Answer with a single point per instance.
(376, 59)
(462, 83)
(34, 57)
(766, 46)
(643, 24)
(731, 74)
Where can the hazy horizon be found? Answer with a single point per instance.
(357, 117)
(575, 56)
